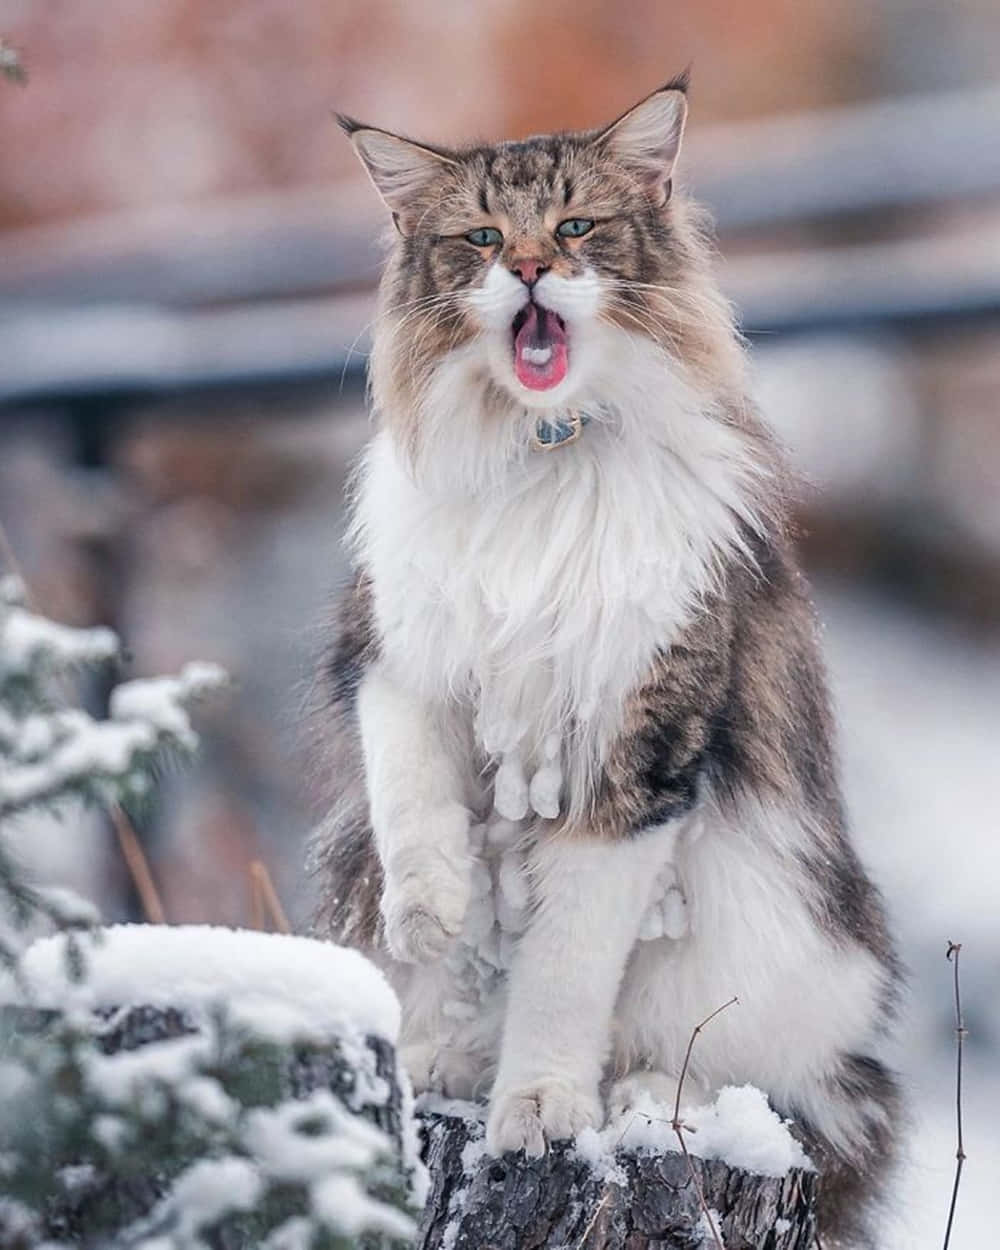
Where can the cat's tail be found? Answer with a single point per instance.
(855, 1174)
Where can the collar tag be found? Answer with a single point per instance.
(550, 435)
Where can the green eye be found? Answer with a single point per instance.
(574, 228)
(485, 236)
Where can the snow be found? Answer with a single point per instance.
(667, 912)
(710, 1228)
(738, 1127)
(473, 1153)
(68, 748)
(27, 640)
(139, 1077)
(98, 749)
(741, 1129)
(416, 1170)
(342, 1204)
(160, 701)
(72, 911)
(294, 1234)
(278, 1138)
(210, 1189)
(282, 987)
(289, 1150)
(510, 788)
(122, 1078)
(12, 590)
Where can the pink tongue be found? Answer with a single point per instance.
(540, 334)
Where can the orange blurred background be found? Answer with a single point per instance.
(133, 105)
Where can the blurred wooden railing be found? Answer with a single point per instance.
(279, 288)
(274, 286)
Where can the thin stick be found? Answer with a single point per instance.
(679, 1127)
(687, 1056)
(955, 948)
(269, 895)
(593, 1220)
(138, 866)
(256, 903)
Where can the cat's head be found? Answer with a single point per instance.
(529, 260)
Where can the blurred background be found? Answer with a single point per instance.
(187, 259)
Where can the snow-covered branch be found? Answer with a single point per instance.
(48, 751)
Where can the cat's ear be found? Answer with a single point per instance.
(400, 169)
(648, 137)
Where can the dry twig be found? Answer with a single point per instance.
(264, 897)
(955, 949)
(678, 1126)
(592, 1221)
(138, 867)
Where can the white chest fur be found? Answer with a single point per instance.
(540, 599)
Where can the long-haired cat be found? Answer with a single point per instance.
(587, 790)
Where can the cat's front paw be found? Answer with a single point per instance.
(423, 907)
(527, 1117)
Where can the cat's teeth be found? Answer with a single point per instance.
(537, 355)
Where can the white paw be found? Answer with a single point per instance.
(423, 909)
(651, 1093)
(527, 1117)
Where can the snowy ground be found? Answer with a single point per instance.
(920, 731)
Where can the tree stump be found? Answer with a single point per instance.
(646, 1202)
(634, 1200)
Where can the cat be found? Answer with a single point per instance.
(581, 731)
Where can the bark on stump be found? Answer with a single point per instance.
(559, 1202)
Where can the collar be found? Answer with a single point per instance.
(549, 435)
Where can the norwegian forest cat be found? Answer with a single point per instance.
(582, 743)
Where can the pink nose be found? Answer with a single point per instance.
(529, 271)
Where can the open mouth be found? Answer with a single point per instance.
(541, 356)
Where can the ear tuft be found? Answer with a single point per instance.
(347, 124)
(680, 82)
(648, 137)
(400, 169)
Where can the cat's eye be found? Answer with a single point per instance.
(574, 228)
(485, 236)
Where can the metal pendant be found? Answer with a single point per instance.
(552, 434)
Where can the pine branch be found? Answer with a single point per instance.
(109, 760)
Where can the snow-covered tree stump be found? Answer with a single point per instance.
(592, 1196)
(201, 1087)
